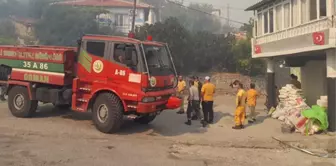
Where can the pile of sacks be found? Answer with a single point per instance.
(291, 103)
(297, 115)
(290, 107)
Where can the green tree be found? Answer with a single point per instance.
(193, 51)
(243, 55)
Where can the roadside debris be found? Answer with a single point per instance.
(324, 155)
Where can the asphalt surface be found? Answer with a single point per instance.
(57, 137)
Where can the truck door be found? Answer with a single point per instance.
(92, 60)
(126, 76)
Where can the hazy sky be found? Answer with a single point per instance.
(236, 13)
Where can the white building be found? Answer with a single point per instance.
(120, 12)
(303, 34)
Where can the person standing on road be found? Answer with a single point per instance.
(252, 95)
(295, 81)
(208, 91)
(240, 106)
(2, 93)
(198, 85)
(180, 93)
(193, 104)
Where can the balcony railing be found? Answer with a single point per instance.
(306, 28)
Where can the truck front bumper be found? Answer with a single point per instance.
(146, 108)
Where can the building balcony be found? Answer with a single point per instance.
(311, 36)
(124, 29)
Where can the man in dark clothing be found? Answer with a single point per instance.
(197, 84)
(193, 104)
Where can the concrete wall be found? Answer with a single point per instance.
(281, 75)
(314, 80)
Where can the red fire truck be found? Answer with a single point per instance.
(108, 75)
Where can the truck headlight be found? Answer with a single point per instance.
(148, 99)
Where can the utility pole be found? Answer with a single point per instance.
(133, 16)
(228, 14)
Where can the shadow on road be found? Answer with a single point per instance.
(167, 123)
(259, 119)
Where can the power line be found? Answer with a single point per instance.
(181, 5)
(233, 8)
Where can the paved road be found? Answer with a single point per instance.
(70, 139)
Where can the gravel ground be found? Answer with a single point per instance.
(70, 139)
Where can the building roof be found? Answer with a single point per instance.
(259, 4)
(120, 39)
(22, 20)
(103, 3)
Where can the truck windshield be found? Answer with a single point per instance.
(158, 60)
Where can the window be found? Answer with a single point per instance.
(323, 8)
(295, 9)
(146, 14)
(265, 22)
(287, 15)
(121, 20)
(271, 20)
(259, 26)
(313, 11)
(95, 48)
(304, 11)
(120, 53)
(278, 13)
(255, 28)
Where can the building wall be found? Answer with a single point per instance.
(314, 80)
(281, 75)
(127, 18)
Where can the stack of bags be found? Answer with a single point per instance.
(323, 102)
(291, 105)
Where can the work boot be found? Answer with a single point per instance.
(2, 98)
(180, 112)
(188, 122)
(237, 127)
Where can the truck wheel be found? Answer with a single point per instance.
(145, 119)
(19, 103)
(107, 113)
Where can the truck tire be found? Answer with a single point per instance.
(145, 119)
(107, 113)
(19, 103)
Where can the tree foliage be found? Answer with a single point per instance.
(63, 25)
(203, 51)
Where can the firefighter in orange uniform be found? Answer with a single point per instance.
(240, 113)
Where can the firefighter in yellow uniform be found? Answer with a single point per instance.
(180, 93)
(240, 113)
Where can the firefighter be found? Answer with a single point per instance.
(208, 91)
(240, 113)
(193, 104)
(180, 93)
